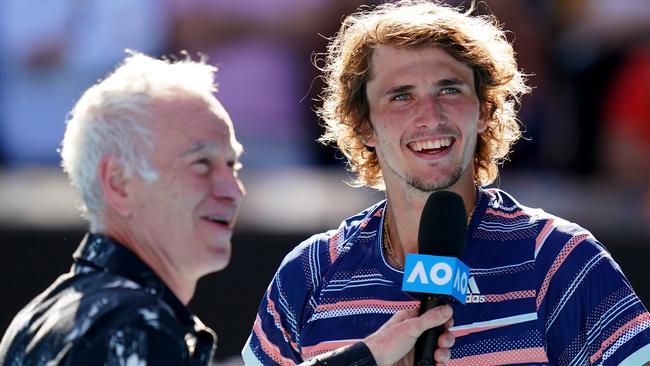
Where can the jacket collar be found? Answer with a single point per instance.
(101, 253)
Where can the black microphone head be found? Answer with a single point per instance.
(443, 225)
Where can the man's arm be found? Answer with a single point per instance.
(590, 311)
(394, 341)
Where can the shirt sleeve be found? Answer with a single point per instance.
(357, 354)
(275, 337)
(592, 315)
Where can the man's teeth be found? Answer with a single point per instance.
(431, 144)
(217, 219)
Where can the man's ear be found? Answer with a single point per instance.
(482, 120)
(114, 180)
(481, 126)
(367, 134)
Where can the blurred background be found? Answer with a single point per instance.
(585, 156)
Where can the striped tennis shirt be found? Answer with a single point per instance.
(542, 291)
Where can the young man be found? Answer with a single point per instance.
(420, 98)
(154, 159)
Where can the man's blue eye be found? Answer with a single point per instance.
(449, 90)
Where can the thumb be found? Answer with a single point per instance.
(400, 316)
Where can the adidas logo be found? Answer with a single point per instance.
(473, 294)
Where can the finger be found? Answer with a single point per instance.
(434, 317)
(442, 355)
(446, 340)
(449, 323)
(401, 315)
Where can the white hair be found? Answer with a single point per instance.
(112, 118)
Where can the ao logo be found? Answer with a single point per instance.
(440, 274)
(431, 274)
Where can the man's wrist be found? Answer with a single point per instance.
(357, 354)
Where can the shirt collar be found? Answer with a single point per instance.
(103, 253)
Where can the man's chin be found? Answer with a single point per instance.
(216, 265)
(433, 185)
(220, 255)
(221, 266)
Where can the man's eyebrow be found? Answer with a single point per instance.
(451, 81)
(399, 89)
(199, 146)
(440, 83)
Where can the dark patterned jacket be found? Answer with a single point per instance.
(110, 309)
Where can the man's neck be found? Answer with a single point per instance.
(182, 287)
(404, 209)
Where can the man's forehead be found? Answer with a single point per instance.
(227, 146)
(393, 61)
(201, 146)
(211, 147)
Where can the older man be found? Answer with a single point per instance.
(154, 159)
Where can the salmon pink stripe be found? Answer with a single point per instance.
(514, 295)
(356, 304)
(323, 347)
(541, 238)
(278, 322)
(619, 332)
(518, 356)
(269, 348)
(333, 246)
(564, 253)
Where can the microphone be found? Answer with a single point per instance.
(435, 272)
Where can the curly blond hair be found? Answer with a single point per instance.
(477, 41)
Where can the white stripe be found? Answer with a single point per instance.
(501, 225)
(473, 288)
(316, 274)
(483, 271)
(501, 321)
(640, 357)
(353, 281)
(359, 285)
(313, 304)
(248, 355)
(574, 286)
(489, 226)
(338, 313)
(309, 262)
(374, 275)
(285, 308)
(367, 234)
(611, 315)
(350, 340)
(596, 330)
(625, 338)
